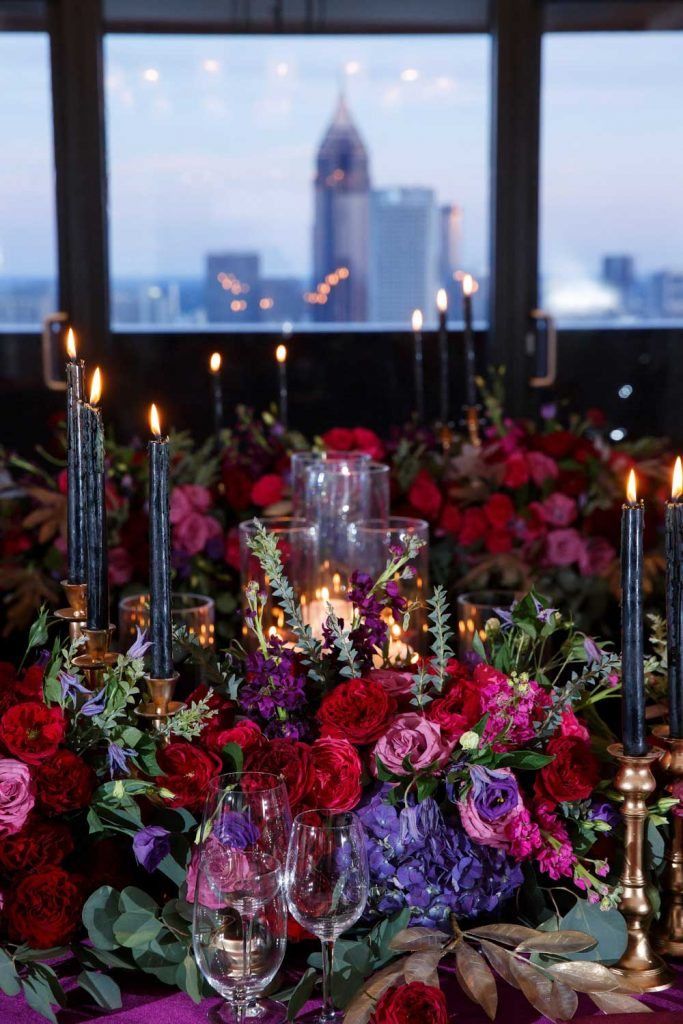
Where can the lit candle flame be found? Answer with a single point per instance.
(631, 488)
(442, 300)
(215, 362)
(71, 343)
(96, 387)
(467, 284)
(677, 480)
(417, 319)
(281, 353)
(396, 630)
(154, 422)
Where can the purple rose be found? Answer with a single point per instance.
(17, 795)
(235, 830)
(151, 845)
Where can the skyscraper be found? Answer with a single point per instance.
(450, 242)
(404, 253)
(341, 229)
(618, 272)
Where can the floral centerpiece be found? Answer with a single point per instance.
(483, 796)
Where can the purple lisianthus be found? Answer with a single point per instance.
(150, 845)
(235, 830)
(494, 793)
(605, 812)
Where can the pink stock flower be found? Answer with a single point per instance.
(564, 547)
(17, 795)
(413, 738)
(193, 528)
(541, 468)
(558, 510)
(556, 857)
(514, 707)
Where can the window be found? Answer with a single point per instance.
(28, 257)
(326, 179)
(612, 163)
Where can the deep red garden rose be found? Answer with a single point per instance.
(44, 909)
(237, 486)
(292, 760)
(454, 713)
(358, 710)
(572, 775)
(498, 542)
(516, 470)
(557, 444)
(414, 1003)
(338, 771)
(451, 519)
(339, 439)
(246, 734)
(7, 674)
(29, 686)
(64, 783)
(39, 844)
(499, 510)
(186, 772)
(425, 496)
(231, 552)
(474, 526)
(367, 441)
(32, 731)
(268, 490)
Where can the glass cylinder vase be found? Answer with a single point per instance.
(474, 609)
(194, 611)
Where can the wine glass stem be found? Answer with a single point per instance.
(247, 926)
(328, 959)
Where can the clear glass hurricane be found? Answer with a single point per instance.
(239, 928)
(327, 883)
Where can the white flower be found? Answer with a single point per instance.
(469, 740)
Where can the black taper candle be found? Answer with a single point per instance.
(419, 369)
(75, 467)
(470, 358)
(96, 514)
(217, 392)
(281, 357)
(444, 380)
(632, 669)
(674, 602)
(159, 555)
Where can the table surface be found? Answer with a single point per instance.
(148, 1002)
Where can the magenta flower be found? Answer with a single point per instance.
(193, 527)
(17, 795)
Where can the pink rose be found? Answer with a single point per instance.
(396, 684)
(571, 726)
(220, 862)
(193, 528)
(598, 555)
(120, 566)
(17, 795)
(558, 510)
(541, 467)
(564, 547)
(415, 738)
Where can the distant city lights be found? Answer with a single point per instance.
(150, 75)
(352, 67)
(282, 69)
(410, 75)
(211, 65)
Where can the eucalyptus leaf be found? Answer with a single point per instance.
(302, 993)
(99, 913)
(9, 981)
(136, 929)
(39, 997)
(607, 927)
(102, 988)
(133, 900)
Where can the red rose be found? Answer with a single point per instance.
(558, 444)
(268, 490)
(449, 713)
(32, 731)
(44, 909)
(339, 439)
(498, 542)
(474, 526)
(246, 734)
(499, 510)
(451, 519)
(30, 685)
(367, 441)
(425, 496)
(65, 783)
(237, 486)
(289, 758)
(231, 552)
(358, 710)
(338, 771)
(39, 844)
(572, 775)
(186, 772)
(516, 470)
(408, 1004)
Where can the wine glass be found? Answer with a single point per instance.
(327, 881)
(247, 811)
(239, 925)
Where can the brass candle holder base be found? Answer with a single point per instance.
(96, 656)
(668, 933)
(76, 613)
(160, 705)
(641, 967)
(472, 424)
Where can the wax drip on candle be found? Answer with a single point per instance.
(159, 552)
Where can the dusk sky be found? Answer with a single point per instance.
(212, 143)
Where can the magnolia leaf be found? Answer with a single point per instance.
(537, 988)
(585, 976)
(508, 934)
(384, 979)
(618, 1002)
(476, 979)
(359, 1009)
(414, 939)
(558, 942)
(422, 966)
(563, 1001)
(501, 960)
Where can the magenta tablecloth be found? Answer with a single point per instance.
(146, 1002)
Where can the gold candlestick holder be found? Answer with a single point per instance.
(76, 613)
(446, 437)
(669, 928)
(642, 968)
(472, 424)
(160, 706)
(96, 656)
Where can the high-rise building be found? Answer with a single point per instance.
(232, 287)
(618, 272)
(404, 253)
(450, 243)
(667, 294)
(340, 233)
(282, 298)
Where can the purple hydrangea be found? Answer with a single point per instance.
(420, 861)
(235, 830)
(275, 691)
(150, 845)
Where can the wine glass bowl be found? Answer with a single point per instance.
(248, 811)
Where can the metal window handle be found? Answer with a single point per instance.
(52, 350)
(547, 379)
